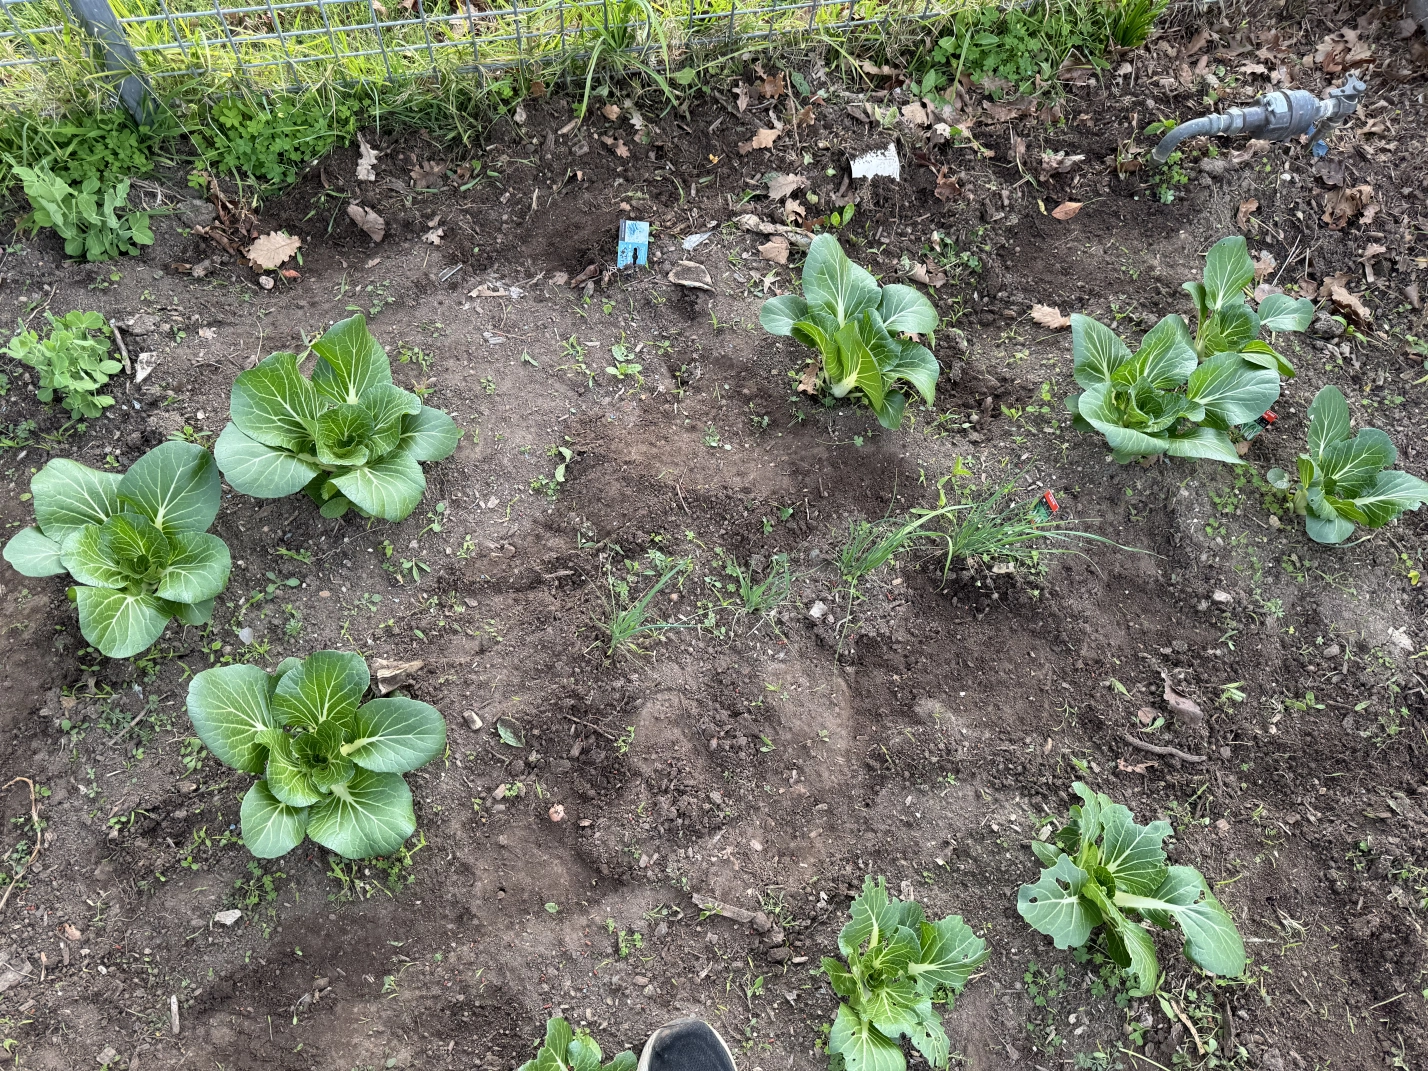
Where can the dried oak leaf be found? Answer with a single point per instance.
(1263, 265)
(780, 186)
(611, 112)
(947, 187)
(771, 86)
(369, 221)
(366, 161)
(1337, 287)
(621, 150)
(433, 236)
(429, 175)
(1247, 209)
(808, 382)
(741, 93)
(273, 249)
(1050, 316)
(762, 139)
(1066, 209)
(928, 274)
(1342, 205)
(775, 250)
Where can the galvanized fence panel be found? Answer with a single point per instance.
(288, 44)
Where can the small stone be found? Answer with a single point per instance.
(761, 923)
(641, 980)
(818, 611)
(1273, 521)
(472, 719)
(245, 635)
(1326, 326)
(1222, 598)
(229, 917)
(108, 1056)
(557, 813)
(1225, 752)
(1332, 651)
(756, 845)
(265, 281)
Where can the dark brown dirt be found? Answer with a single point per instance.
(922, 733)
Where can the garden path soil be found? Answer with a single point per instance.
(922, 733)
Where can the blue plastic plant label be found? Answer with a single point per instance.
(634, 247)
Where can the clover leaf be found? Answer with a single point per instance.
(348, 437)
(1103, 870)
(331, 767)
(137, 545)
(897, 962)
(855, 325)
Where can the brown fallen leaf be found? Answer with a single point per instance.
(775, 250)
(433, 236)
(1247, 209)
(741, 94)
(1182, 707)
(762, 139)
(928, 274)
(392, 675)
(947, 187)
(1342, 205)
(771, 86)
(793, 211)
(915, 114)
(808, 382)
(1337, 288)
(366, 161)
(273, 249)
(585, 276)
(780, 186)
(1263, 265)
(1373, 252)
(1066, 209)
(369, 221)
(288, 273)
(1136, 768)
(1050, 316)
(537, 90)
(621, 150)
(1057, 164)
(1146, 715)
(429, 175)
(611, 112)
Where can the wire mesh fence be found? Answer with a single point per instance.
(289, 44)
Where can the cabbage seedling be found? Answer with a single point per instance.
(348, 437)
(1104, 870)
(855, 325)
(137, 545)
(331, 767)
(565, 1049)
(897, 962)
(1343, 481)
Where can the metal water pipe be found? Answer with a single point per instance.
(1276, 116)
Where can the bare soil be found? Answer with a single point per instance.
(923, 732)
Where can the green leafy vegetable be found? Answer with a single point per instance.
(1102, 869)
(137, 545)
(1157, 401)
(566, 1049)
(1225, 324)
(1343, 481)
(855, 325)
(73, 361)
(348, 437)
(897, 962)
(90, 226)
(331, 767)
(1180, 394)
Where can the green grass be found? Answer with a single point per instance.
(624, 621)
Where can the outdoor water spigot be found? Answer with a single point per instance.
(1276, 116)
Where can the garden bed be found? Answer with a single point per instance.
(923, 732)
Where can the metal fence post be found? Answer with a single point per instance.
(99, 21)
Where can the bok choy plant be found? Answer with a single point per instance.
(137, 545)
(348, 437)
(1104, 870)
(331, 767)
(1343, 481)
(567, 1049)
(855, 325)
(898, 962)
(1179, 394)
